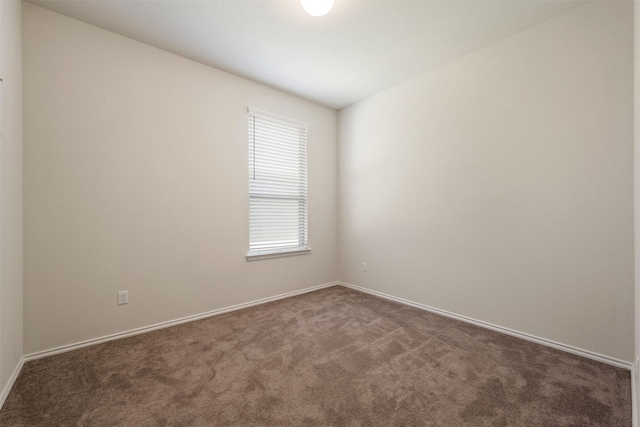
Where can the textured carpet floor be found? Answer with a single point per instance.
(332, 357)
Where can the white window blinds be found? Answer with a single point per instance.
(277, 185)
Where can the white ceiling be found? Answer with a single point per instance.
(358, 49)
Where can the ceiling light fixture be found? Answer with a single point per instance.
(317, 7)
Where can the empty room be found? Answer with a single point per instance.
(319, 213)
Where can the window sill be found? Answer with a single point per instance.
(256, 257)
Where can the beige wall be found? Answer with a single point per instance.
(499, 186)
(136, 179)
(636, 168)
(10, 189)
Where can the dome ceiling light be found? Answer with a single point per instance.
(317, 7)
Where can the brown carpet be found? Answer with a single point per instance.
(332, 357)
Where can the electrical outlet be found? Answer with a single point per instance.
(123, 297)
(364, 267)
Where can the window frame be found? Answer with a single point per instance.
(302, 181)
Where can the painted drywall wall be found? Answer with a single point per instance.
(500, 186)
(636, 194)
(10, 189)
(136, 179)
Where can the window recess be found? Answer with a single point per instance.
(278, 217)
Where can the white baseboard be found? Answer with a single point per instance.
(522, 335)
(568, 348)
(12, 380)
(142, 330)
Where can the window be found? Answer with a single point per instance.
(277, 186)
